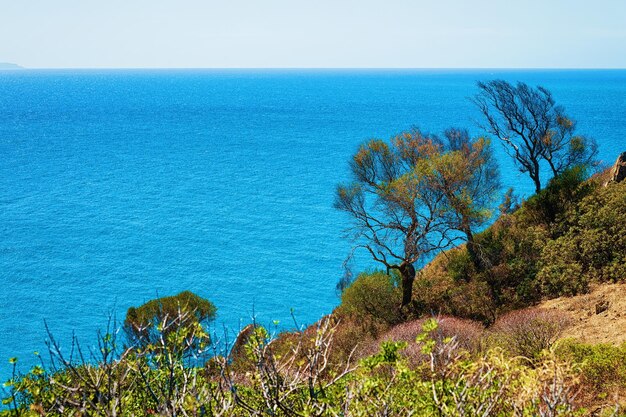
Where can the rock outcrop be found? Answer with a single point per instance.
(618, 172)
(238, 350)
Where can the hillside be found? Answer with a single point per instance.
(591, 322)
(9, 66)
(561, 242)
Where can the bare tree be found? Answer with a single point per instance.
(94, 380)
(535, 131)
(303, 370)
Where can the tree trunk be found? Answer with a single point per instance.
(535, 177)
(407, 271)
(471, 249)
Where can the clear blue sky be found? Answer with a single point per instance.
(314, 33)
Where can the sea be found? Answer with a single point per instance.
(120, 186)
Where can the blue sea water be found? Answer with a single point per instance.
(120, 186)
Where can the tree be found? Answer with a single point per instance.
(173, 323)
(466, 173)
(534, 130)
(399, 218)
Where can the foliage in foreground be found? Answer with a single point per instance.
(603, 368)
(450, 381)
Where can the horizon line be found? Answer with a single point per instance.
(330, 68)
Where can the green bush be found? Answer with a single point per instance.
(548, 206)
(513, 247)
(460, 265)
(175, 321)
(561, 274)
(373, 295)
(603, 366)
(592, 249)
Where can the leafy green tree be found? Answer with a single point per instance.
(466, 173)
(409, 198)
(174, 322)
(398, 217)
(535, 131)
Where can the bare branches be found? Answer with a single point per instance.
(534, 130)
(291, 383)
(102, 374)
(300, 379)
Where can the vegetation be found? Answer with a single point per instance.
(529, 332)
(465, 172)
(397, 214)
(161, 320)
(557, 243)
(361, 360)
(591, 245)
(602, 368)
(373, 295)
(449, 381)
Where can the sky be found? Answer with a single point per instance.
(313, 34)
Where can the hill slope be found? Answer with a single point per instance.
(8, 65)
(592, 323)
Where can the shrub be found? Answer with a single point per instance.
(352, 336)
(530, 331)
(603, 366)
(373, 295)
(460, 265)
(301, 382)
(436, 292)
(473, 301)
(593, 248)
(467, 334)
(513, 247)
(237, 356)
(174, 321)
(550, 204)
(560, 273)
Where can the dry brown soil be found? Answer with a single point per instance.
(590, 326)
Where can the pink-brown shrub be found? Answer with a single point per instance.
(467, 333)
(529, 331)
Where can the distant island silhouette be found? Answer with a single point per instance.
(8, 65)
